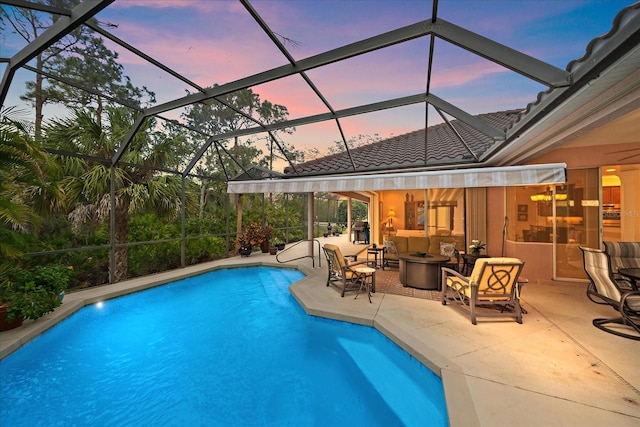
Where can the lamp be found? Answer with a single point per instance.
(547, 196)
(391, 214)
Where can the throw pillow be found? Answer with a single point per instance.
(391, 247)
(447, 249)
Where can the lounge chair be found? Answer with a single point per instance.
(342, 272)
(493, 284)
(607, 291)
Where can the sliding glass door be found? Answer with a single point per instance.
(575, 212)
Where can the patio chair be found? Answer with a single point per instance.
(622, 255)
(607, 290)
(341, 272)
(492, 286)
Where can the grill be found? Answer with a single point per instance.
(360, 231)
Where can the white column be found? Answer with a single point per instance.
(311, 217)
(349, 220)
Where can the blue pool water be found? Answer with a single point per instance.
(227, 348)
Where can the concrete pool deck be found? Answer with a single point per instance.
(554, 369)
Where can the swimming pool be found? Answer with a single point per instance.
(230, 347)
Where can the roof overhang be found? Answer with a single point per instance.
(456, 178)
(605, 87)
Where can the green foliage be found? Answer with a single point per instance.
(54, 278)
(30, 302)
(91, 268)
(156, 257)
(153, 258)
(205, 249)
(359, 211)
(33, 293)
(87, 182)
(21, 170)
(150, 226)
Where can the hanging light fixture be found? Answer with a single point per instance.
(547, 196)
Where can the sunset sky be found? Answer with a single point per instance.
(215, 42)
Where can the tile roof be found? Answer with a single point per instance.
(408, 150)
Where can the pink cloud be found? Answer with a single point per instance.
(198, 58)
(197, 5)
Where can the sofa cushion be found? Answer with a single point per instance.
(401, 243)
(391, 251)
(391, 248)
(478, 268)
(407, 233)
(434, 242)
(417, 244)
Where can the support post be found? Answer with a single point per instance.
(311, 214)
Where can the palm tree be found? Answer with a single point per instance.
(86, 177)
(21, 168)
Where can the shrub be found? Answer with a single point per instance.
(33, 293)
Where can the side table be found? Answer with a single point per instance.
(378, 257)
(468, 262)
(367, 278)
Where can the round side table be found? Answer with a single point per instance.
(367, 278)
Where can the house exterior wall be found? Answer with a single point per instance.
(538, 257)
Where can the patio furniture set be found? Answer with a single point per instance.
(492, 289)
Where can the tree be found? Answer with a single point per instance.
(79, 57)
(29, 25)
(355, 142)
(22, 165)
(86, 180)
(220, 116)
(89, 64)
(231, 112)
(359, 211)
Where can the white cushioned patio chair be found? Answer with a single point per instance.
(341, 271)
(607, 291)
(492, 286)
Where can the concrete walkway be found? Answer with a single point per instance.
(554, 369)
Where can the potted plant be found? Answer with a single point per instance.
(252, 236)
(9, 319)
(244, 245)
(30, 294)
(476, 246)
(265, 232)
